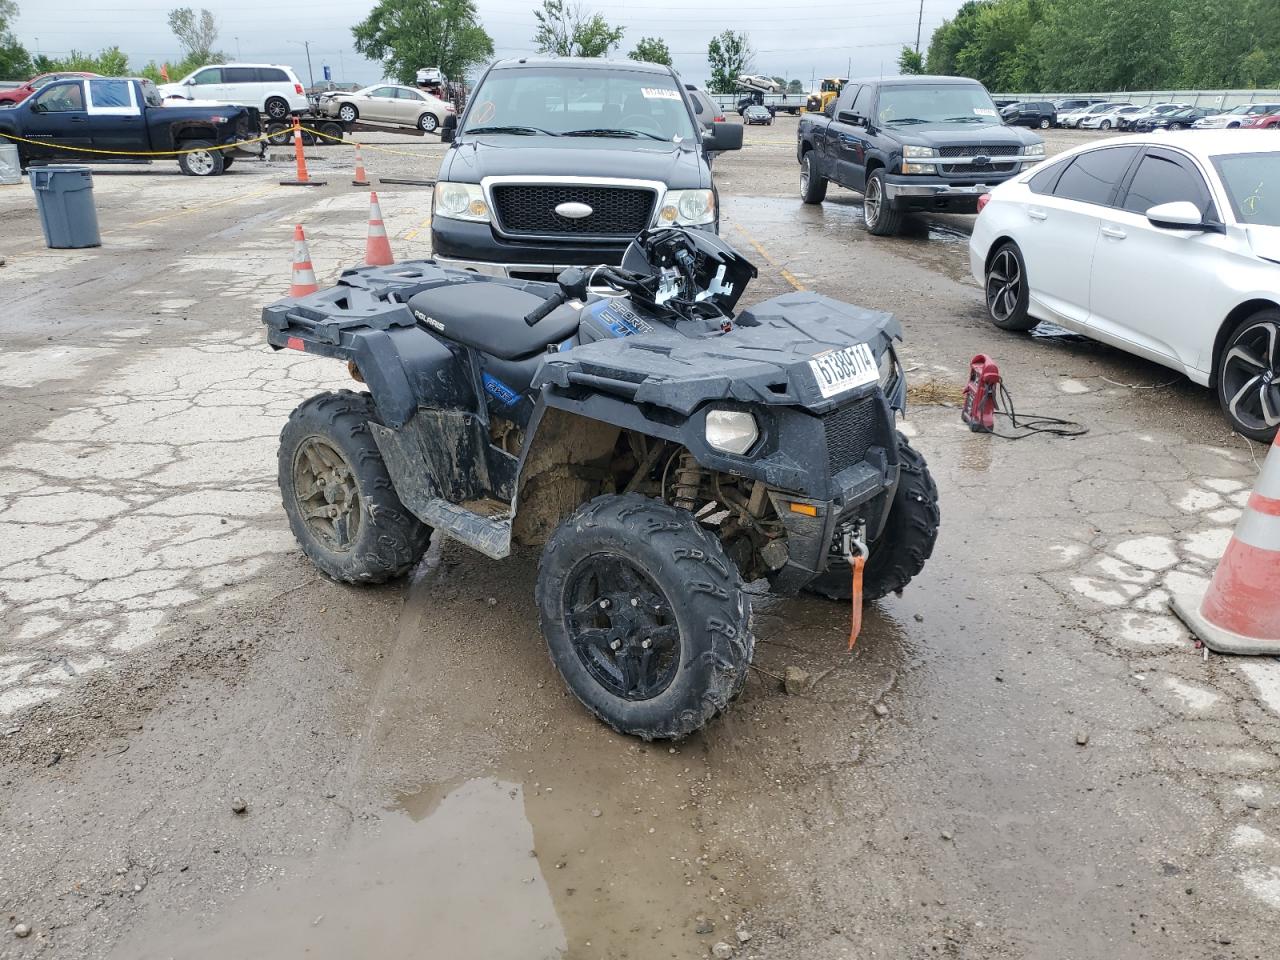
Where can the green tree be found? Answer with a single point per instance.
(729, 56)
(15, 62)
(406, 35)
(795, 86)
(196, 33)
(567, 30)
(651, 50)
(110, 62)
(910, 61)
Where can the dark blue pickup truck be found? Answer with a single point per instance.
(88, 119)
(911, 143)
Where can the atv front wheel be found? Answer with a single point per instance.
(341, 504)
(898, 555)
(644, 615)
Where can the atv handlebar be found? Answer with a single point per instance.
(544, 309)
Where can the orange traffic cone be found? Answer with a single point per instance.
(377, 251)
(361, 179)
(1240, 610)
(304, 275)
(300, 158)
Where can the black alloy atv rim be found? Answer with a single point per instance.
(1251, 377)
(621, 627)
(328, 499)
(1004, 285)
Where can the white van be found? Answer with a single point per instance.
(271, 87)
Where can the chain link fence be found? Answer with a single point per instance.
(1217, 99)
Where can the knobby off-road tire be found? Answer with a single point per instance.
(899, 555)
(618, 548)
(813, 186)
(881, 217)
(379, 538)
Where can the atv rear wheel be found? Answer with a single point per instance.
(900, 552)
(341, 504)
(644, 615)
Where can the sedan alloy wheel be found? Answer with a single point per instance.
(1249, 377)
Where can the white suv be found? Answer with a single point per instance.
(272, 88)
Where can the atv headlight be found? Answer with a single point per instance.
(689, 208)
(731, 431)
(888, 369)
(460, 201)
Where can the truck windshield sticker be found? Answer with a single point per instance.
(659, 93)
(984, 111)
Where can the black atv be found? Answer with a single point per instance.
(662, 448)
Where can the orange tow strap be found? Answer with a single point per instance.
(855, 626)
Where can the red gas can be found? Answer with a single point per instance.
(979, 410)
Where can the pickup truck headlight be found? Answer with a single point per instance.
(911, 152)
(689, 208)
(460, 201)
(1033, 150)
(731, 431)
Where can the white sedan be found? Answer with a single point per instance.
(388, 103)
(1109, 118)
(1167, 248)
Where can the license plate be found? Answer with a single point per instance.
(839, 370)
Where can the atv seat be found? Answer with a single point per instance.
(490, 318)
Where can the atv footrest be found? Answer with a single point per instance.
(490, 535)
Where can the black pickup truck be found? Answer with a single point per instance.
(127, 115)
(562, 162)
(911, 143)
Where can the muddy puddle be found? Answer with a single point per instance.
(928, 241)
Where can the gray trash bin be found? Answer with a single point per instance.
(64, 194)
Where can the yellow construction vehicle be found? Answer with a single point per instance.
(827, 91)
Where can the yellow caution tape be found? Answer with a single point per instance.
(351, 143)
(288, 131)
(134, 153)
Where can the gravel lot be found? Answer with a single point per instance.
(1023, 757)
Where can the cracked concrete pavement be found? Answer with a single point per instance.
(411, 766)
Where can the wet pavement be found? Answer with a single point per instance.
(1022, 757)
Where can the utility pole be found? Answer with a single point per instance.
(342, 67)
(310, 73)
(238, 56)
(919, 24)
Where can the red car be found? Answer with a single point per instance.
(18, 94)
(1268, 121)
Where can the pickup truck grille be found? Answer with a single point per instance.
(968, 169)
(850, 431)
(529, 209)
(981, 150)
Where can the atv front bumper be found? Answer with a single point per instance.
(855, 491)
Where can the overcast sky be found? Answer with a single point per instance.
(793, 38)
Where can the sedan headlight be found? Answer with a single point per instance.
(731, 431)
(687, 208)
(1033, 150)
(459, 201)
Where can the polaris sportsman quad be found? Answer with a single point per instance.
(661, 448)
